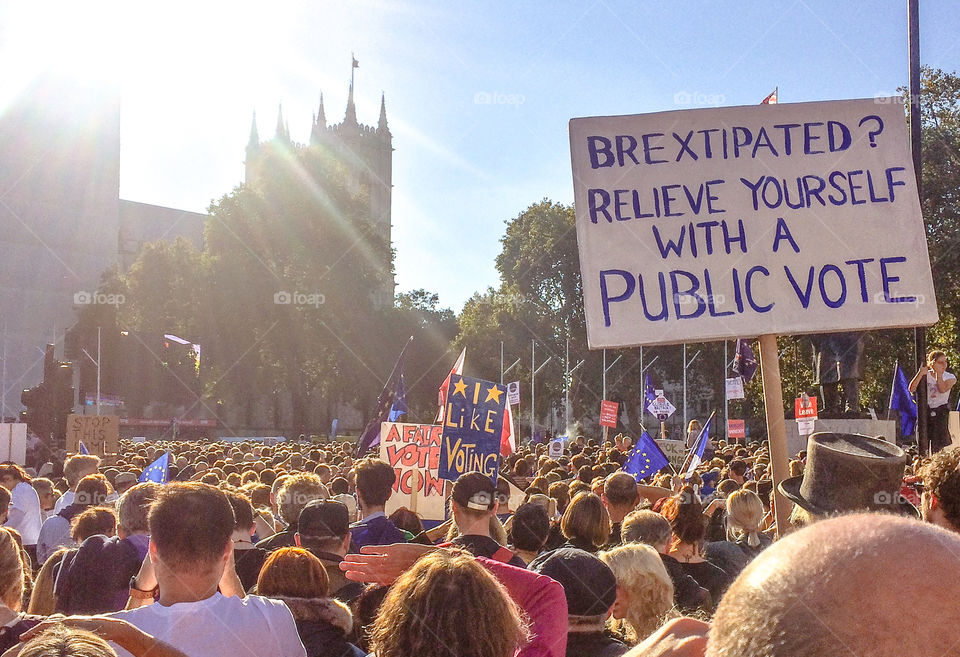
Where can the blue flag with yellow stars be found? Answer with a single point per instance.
(646, 458)
(472, 426)
(159, 471)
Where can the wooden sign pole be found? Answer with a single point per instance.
(776, 426)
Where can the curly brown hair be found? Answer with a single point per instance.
(447, 605)
(941, 478)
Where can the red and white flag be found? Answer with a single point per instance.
(772, 98)
(442, 393)
(508, 441)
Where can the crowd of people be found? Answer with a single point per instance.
(287, 550)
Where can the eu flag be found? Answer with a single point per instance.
(386, 404)
(901, 400)
(645, 459)
(159, 471)
(648, 391)
(399, 406)
(745, 362)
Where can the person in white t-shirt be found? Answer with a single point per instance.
(25, 515)
(939, 384)
(200, 604)
(75, 468)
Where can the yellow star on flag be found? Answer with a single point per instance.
(460, 387)
(494, 394)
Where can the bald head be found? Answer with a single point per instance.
(854, 585)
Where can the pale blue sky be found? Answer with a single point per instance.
(478, 94)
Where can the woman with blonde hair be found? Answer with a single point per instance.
(447, 604)
(644, 590)
(744, 515)
(586, 523)
(13, 622)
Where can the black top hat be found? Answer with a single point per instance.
(849, 472)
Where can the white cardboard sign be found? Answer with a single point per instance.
(708, 224)
(13, 442)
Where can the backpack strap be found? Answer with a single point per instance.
(61, 585)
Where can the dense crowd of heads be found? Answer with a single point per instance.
(279, 521)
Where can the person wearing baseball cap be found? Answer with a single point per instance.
(591, 589)
(474, 503)
(324, 530)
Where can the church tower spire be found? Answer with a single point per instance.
(253, 150)
(282, 133)
(254, 141)
(319, 124)
(382, 125)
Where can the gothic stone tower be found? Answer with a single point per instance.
(366, 152)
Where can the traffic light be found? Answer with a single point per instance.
(62, 399)
(49, 403)
(38, 414)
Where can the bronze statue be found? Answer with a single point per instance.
(838, 359)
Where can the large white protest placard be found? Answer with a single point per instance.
(707, 224)
(13, 442)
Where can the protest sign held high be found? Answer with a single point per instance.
(472, 427)
(706, 224)
(413, 451)
(99, 433)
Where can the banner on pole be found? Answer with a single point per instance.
(708, 224)
(737, 429)
(513, 393)
(735, 388)
(413, 451)
(472, 427)
(805, 408)
(661, 407)
(608, 413)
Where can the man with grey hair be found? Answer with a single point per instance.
(865, 584)
(294, 493)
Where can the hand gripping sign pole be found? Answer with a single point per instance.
(776, 425)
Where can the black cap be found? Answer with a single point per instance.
(475, 490)
(324, 519)
(588, 584)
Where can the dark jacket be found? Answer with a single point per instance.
(341, 588)
(323, 625)
(280, 539)
(375, 531)
(95, 578)
(594, 644)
